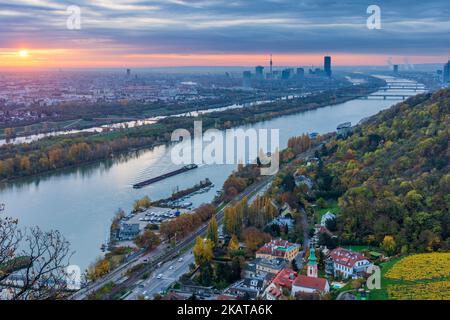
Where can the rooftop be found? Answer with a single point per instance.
(346, 257)
(303, 281)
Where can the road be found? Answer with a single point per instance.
(118, 274)
(170, 271)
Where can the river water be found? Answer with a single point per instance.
(81, 202)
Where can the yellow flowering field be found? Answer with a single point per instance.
(422, 266)
(436, 290)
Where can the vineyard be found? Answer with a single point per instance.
(438, 290)
(419, 277)
(421, 267)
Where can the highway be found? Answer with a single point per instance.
(162, 277)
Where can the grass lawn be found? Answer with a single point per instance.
(332, 207)
(382, 294)
(359, 248)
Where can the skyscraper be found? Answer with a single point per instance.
(327, 65)
(446, 73)
(259, 72)
(271, 64)
(247, 75)
(395, 68)
(300, 72)
(128, 72)
(286, 74)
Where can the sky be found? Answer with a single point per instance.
(133, 33)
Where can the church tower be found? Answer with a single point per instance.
(312, 264)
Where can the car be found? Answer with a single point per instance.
(171, 268)
(145, 260)
(180, 260)
(159, 276)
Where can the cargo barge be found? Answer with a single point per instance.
(164, 176)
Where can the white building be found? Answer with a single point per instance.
(347, 263)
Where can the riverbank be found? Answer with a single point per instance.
(52, 153)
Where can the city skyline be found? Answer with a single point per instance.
(218, 33)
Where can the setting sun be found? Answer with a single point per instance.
(23, 53)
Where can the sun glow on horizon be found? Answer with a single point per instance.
(23, 53)
(113, 58)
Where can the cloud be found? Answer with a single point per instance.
(245, 26)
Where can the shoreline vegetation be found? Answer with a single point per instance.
(60, 152)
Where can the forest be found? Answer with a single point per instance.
(391, 177)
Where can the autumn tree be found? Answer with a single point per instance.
(148, 240)
(253, 239)
(388, 245)
(230, 220)
(97, 270)
(203, 251)
(233, 245)
(212, 232)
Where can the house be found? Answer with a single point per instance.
(281, 282)
(128, 231)
(327, 216)
(278, 248)
(347, 263)
(249, 288)
(272, 266)
(282, 222)
(303, 180)
(307, 284)
(261, 266)
(344, 129)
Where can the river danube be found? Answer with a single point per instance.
(81, 202)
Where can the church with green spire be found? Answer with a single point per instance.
(312, 264)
